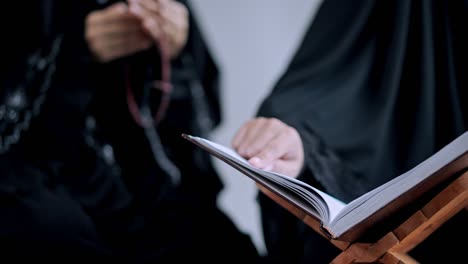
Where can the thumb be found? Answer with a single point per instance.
(285, 167)
(261, 163)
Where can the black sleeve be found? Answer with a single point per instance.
(19, 39)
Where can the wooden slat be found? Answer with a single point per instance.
(394, 246)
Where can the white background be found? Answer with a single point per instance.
(252, 42)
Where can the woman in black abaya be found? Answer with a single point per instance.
(375, 88)
(82, 178)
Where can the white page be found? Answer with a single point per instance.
(334, 205)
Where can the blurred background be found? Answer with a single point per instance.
(252, 42)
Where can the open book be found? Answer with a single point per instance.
(343, 221)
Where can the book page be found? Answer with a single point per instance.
(228, 151)
(350, 221)
(448, 160)
(328, 212)
(334, 205)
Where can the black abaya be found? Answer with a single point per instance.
(375, 88)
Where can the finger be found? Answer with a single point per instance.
(126, 49)
(150, 5)
(108, 14)
(283, 154)
(175, 28)
(250, 136)
(173, 25)
(100, 38)
(173, 16)
(174, 13)
(275, 148)
(141, 10)
(287, 168)
(149, 18)
(152, 27)
(239, 136)
(113, 20)
(267, 135)
(114, 28)
(260, 135)
(242, 139)
(122, 46)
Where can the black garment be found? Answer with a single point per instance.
(81, 182)
(375, 88)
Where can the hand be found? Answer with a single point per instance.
(115, 32)
(269, 144)
(165, 20)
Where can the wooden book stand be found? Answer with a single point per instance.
(394, 246)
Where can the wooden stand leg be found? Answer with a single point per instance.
(394, 247)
